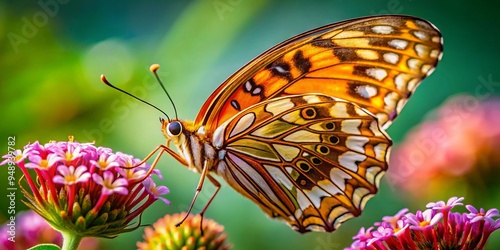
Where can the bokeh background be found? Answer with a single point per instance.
(53, 52)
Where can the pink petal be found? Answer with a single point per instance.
(120, 182)
(98, 179)
(162, 190)
(436, 218)
(35, 158)
(108, 176)
(84, 177)
(59, 179)
(64, 170)
(80, 170)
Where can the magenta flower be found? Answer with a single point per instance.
(70, 175)
(16, 157)
(111, 185)
(381, 234)
(400, 227)
(84, 191)
(363, 235)
(106, 160)
(393, 219)
(36, 161)
(156, 191)
(423, 220)
(132, 174)
(440, 205)
(434, 228)
(478, 215)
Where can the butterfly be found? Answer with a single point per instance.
(300, 130)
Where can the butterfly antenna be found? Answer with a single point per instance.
(105, 81)
(153, 68)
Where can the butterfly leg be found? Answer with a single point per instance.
(204, 174)
(162, 149)
(217, 188)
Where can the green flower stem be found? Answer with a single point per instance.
(70, 241)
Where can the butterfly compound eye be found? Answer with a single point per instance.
(174, 128)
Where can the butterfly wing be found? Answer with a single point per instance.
(310, 160)
(374, 62)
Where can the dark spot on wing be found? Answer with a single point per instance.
(345, 54)
(235, 105)
(301, 63)
(280, 68)
(323, 43)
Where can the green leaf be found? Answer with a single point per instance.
(46, 247)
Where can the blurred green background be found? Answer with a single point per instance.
(51, 57)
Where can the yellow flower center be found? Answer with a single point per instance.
(424, 223)
(44, 164)
(102, 164)
(68, 156)
(70, 179)
(18, 157)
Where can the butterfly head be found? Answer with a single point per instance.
(175, 130)
(171, 129)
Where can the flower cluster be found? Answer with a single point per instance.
(435, 228)
(166, 235)
(457, 146)
(85, 190)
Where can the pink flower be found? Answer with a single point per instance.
(478, 215)
(16, 157)
(111, 185)
(423, 220)
(132, 174)
(381, 234)
(105, 161)
(440, 205)
(70, 175)
(431, 228)
(82, 190)
(36, 161)
(393, 219)
(156, 191)
(363, 235)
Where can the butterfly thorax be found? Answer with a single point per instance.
(191, 143)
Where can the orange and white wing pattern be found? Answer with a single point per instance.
(374, 62)
(310, 160)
